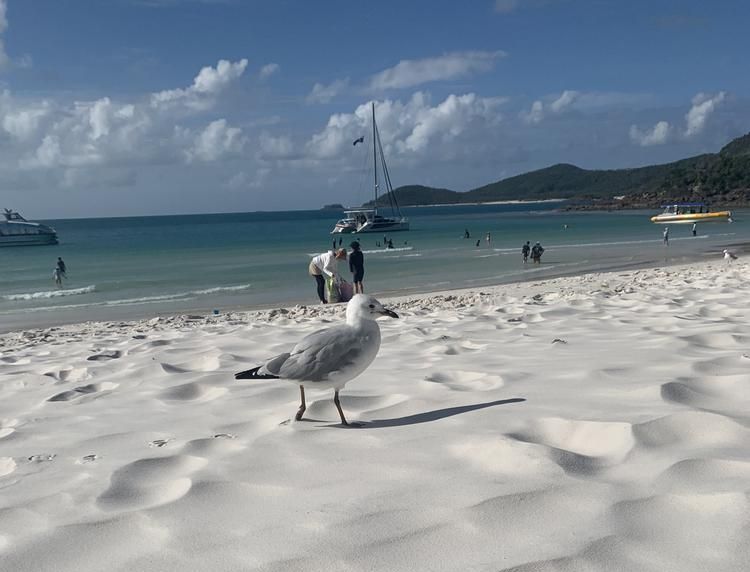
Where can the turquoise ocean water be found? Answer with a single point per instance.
(122, 268)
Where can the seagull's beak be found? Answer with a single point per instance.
(389, 313)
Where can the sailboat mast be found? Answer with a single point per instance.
(375, 155)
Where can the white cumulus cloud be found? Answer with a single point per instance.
(268, 70)
(108, 134)
(325, 93)
(209, 83)
(535, 114)
(409, 128)
(275, 147)
(658, 135)
(410, 73)
(4, 59)
(566, 99)
(216, 141)
(703, 106)
(539, 109)
(22, 122)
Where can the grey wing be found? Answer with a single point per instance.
(324, 355)
(273, 365)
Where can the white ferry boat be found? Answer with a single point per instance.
(17, 231)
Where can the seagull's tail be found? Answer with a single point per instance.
(254, 374)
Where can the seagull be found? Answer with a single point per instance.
(729, 256)
(331, 357)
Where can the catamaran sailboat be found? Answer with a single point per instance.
(368, 220)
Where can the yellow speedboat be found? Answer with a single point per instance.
(688, 213)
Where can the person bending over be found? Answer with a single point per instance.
(324, 265)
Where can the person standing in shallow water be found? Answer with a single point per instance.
(525, 250)
(536, 253)
(666, 236)
(357, 267)
(695, 229)
(61, 266)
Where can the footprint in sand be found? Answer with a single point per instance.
(15, 360)
(149, 345)
(7, 466)
(106, 355)
(219, 444)
(93, 388)
(466, 380)
(192, 392)
(7, 427)
(87, 459)
(159, 442)
(705, 475)
(583, 447)
(41, 458)
(147, 483)
(74, 374)
(691, 430)
(722, 366)
(456, 349)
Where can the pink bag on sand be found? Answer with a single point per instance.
(346, 291)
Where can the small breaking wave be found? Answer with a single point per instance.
(50, 294)
(387, 250)
(374, 251)
(179, 296)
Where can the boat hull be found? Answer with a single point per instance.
(690, 218)
(28, 240)
(340, 229)
(383, 226)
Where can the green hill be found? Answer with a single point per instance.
(718, 178)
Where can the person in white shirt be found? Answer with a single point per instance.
(324, 265)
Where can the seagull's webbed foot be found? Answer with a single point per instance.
(302, 406)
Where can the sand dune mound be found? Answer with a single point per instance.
(691, 429)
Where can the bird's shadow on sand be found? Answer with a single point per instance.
(427, 416)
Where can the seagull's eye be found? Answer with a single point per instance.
(372, 306)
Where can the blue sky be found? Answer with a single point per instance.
(121, 107)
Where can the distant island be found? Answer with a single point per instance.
(721, 178)
(333, 207)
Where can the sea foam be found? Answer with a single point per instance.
(50, 293)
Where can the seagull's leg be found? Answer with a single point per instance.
(302, 405)
(338, 406)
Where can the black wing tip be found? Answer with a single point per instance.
(253, 374)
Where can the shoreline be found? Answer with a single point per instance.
(13, 339)
(37, 321)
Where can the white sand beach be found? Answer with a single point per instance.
(588, 423)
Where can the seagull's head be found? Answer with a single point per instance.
(364, 307)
